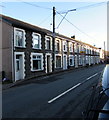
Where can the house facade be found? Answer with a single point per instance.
(27, 51)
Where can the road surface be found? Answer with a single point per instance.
(65, 95)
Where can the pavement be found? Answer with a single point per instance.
(41, 77)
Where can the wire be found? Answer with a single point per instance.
(38, 7)
(35, 5)
(84, 7)
(64, 13)
(75, 26)
(62, 20)
(45, 19)
(2, 6)
(93, 5)
(64, 17)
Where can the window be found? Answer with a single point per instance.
(64, 45)
(90, 51)
(37, 62)
(19, 37)
(48, 44)
(17, 66)
(71, 60)
(17, 63)
(91, 59)
(75, 47)
(36, 41)
(57, 45)
(58, 61)
(80, 48)
(87, 59)
(70, 47)
(87, 51)
(80, 59)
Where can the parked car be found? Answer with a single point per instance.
(98, 106)
(105, 84)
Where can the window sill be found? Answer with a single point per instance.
(57, 50)
(19, 46)
(48, 49)
(64, 50)
(36, 70)
(37, 48)
(71, 65)
(58, 67)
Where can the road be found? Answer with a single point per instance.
(65, 95)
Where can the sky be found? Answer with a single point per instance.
(88, 24)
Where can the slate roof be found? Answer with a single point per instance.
(25, 25)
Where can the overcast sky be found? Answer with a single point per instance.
(88, 24)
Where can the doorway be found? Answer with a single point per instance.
(48, 63)
(19, 66)
(65, 62)
(76, 61)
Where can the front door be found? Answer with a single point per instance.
(76, 61)
(19, 67)
(64, 62)
(48, 64)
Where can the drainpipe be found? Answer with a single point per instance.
(13, 57)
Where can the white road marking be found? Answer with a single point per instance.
(57, 97)
(52, 100)
(92, 76)
(101, 92)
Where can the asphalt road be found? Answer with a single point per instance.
(65, 95)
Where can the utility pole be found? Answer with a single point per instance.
(53, 55)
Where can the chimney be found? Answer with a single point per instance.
(73, 36)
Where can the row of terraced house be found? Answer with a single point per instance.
(27, 51)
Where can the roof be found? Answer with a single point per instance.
(26, 25)
(20, 23)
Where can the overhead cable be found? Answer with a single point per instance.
(64, 17)
(45, 19)
(84, 7)
(75, 26)
(35, 5)
(2, 6)
(62, 20)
